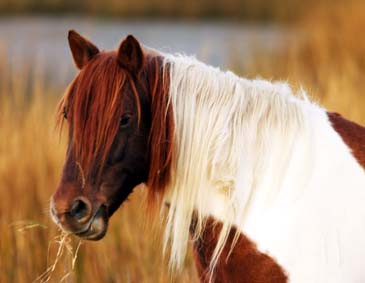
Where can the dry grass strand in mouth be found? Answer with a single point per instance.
(63, 240)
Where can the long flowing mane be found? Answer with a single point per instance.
(221, 122)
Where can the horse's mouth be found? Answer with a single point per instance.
(97, 227)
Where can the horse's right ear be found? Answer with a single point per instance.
(82, 50)
(130, 55)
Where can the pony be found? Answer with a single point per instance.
(268, 185)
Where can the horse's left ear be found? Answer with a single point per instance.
(130, 55)
(82, 49)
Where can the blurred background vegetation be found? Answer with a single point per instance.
(324, 53)
(259, 10)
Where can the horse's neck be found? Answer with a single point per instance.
(235, 138)
(249, 152)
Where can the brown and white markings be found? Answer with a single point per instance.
(267, 184)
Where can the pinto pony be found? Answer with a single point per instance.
(268, 185)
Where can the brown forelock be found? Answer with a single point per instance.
(93, 108)
(162, 130)
(352, 134)
(244, 264)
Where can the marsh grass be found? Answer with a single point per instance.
(326, 56)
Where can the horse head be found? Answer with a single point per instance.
(107, 108)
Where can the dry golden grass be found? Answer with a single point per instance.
(327, 58)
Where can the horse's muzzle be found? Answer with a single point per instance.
(97, 227)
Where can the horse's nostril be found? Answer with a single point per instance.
(80, 209)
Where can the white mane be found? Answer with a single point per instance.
(253, 155)
(233, 138)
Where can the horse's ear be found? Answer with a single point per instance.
(130, 55)
(82, 50)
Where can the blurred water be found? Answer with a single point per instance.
(43, 40)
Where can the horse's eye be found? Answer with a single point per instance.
(64, 113)
(124, 121)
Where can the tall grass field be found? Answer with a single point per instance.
(325, 55)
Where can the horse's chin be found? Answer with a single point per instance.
(98, 226)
